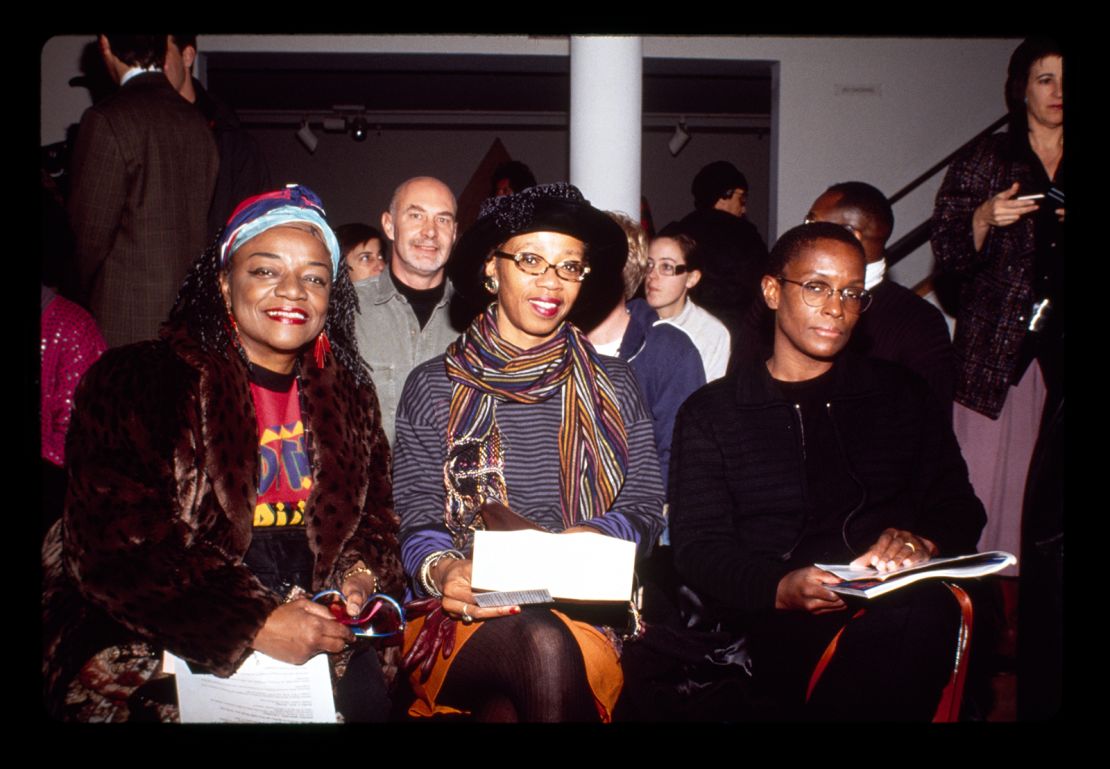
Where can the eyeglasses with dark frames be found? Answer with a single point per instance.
(817, 293)
(667, 269)
(571, 270)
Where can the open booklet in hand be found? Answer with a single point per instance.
(577, 567)
(868, 582)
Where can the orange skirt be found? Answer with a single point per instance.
(603, 668)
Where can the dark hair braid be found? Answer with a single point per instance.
(199, 307)
(340, 325)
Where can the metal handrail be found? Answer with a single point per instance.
(947, 159)
(919, 235)
(908, 243)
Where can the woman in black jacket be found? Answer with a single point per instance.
(817, 456)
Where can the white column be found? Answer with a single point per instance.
(606, 88)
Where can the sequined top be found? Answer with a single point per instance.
(71, 342)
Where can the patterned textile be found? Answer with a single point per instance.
(997, 294)
(144, 166)
(593, 445)
(71, 343)
(163, 456)
(108, 688)
(254, 216)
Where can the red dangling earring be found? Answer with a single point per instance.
(321, 348)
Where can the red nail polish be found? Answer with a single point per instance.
(514, 610)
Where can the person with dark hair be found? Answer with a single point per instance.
(363, 249)
(998, 225)
(143, 51)
(674, 269)
(730, 248)
(144, 167)
(511, 177)
(816, 455)
(522, 411)
(219, 473)
(899, 326)
(243, 170)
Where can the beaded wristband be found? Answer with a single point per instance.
(430, 562)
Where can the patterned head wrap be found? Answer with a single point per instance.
(295, 203)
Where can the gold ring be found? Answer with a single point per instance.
(911, 546)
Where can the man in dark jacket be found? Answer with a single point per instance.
(899, 326)
(243, 169)
(144, 167)
(729, 246)
(817, 456)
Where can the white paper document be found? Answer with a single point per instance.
(581, 566)
(262, 691)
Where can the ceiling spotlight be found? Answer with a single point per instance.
(306, 137)
(359, 129)
(679, 139)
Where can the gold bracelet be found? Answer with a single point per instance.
(362, 569)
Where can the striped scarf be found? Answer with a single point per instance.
(485, 369)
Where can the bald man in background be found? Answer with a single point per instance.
(404, 317)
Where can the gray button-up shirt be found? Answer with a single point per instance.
(391, 341)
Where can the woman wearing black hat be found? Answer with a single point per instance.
(522, 411)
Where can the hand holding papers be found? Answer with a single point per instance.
(263, 690)
(868, 582)
(577, 567)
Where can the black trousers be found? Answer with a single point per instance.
(891, 663)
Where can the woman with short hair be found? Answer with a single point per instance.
(814, 456)
(673, 269)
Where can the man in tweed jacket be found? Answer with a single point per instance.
(144, 168)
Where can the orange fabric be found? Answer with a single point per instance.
(603, 669)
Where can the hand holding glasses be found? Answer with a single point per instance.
(381, 616)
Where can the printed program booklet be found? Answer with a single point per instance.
(868, 582)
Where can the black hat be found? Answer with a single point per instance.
(714, 180)
(556, 207)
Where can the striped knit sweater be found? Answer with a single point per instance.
(530, 435)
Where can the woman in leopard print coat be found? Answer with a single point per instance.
(166, 462)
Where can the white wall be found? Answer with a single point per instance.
(930, 96)
(926, 97)
(356, 179)
(61, 104)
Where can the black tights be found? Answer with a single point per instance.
(526, 667)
